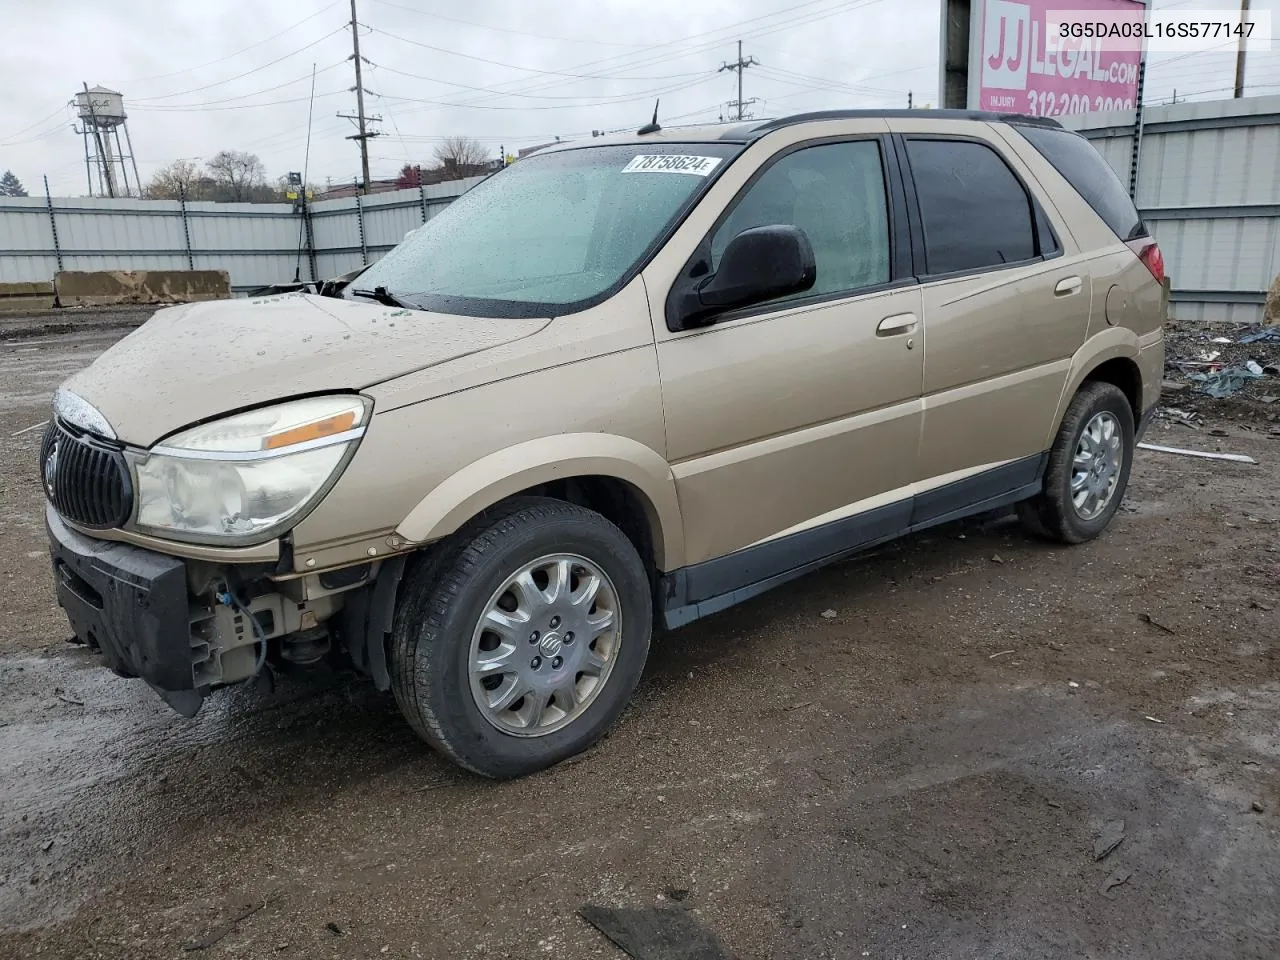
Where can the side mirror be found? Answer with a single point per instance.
(759, 264)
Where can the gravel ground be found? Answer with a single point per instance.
(85, 321)
(912, 754)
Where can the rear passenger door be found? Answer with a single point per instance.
(1006, 303)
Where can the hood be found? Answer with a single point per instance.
(197, 361)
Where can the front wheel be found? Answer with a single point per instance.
(1088, 468)
(521, 642)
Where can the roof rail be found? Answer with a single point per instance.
(769, 126)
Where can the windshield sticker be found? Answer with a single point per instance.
(672, 163)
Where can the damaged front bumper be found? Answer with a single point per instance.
(129, 604)
(187, 627)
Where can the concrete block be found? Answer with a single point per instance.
(26, 296)
(77, 288)
(1271, 311)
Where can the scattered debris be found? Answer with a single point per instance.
(1258, 807)
(217, 933)
(34, 426)
(65, 699)
(1221, 340)
(1056, 646)
(1233, 457)
(1072, 684)
(1146, 618)
(1188, 418)
(1267, 333)
(1153, 719)
(1224, 383)
(1219, 433)
(1111, 836)
(1002, 653)
(47, 846)
(1256, 605)
(333, 928)
(1055, 804)
(829, 614)
(1117, 879)
(677, 894)
(656, 933)
(996, 558)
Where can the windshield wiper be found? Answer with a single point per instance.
(382, 296)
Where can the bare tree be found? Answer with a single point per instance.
(461, 156)
(239, 173)
(172, 180)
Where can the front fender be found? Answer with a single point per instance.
(507, 472)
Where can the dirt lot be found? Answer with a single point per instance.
(913, 754)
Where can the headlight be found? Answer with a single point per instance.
(249, 476)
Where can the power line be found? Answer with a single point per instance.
(823, 83)
(38, 123)
(488, 26)
(498, 63)
(177, 108)
(243, 96)
(241, 76)
(517, 93)
(642, 57)
(628, 98)
(232, 56)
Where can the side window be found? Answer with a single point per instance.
(976, 214)
(835, 193)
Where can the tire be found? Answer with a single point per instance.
(1053, 514)
(438, 635)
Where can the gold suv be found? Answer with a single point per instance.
(620, 384)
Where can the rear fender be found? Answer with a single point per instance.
(1108, 344)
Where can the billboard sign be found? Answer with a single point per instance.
(1018, 64)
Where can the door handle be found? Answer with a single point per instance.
(896, 325)
(1068, 287)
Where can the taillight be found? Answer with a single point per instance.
(1148, 252)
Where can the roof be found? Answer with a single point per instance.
(752, 130)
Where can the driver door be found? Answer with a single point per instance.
(795, 424)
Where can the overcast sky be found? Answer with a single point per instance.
(236, 74)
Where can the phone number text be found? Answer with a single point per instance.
(1049, 103)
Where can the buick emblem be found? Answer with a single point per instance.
(51, 469)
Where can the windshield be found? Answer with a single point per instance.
(548, 233)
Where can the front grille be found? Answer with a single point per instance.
(86, 480)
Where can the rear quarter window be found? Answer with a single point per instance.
(1091, 176)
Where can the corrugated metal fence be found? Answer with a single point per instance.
(257, 243)
(1209, 189)
(1208, 184)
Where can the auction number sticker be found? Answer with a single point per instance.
(672, 163)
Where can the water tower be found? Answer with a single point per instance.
(102, 119)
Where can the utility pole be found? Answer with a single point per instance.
(363, 134)
(1240, 53)
(737, 67)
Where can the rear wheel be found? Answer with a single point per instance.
(1088, 470)
(521, 642)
